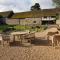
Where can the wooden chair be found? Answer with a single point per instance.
(5, 38)
(1, 39)
(50, 37)
(57, 40)
(22, 38)
(29, 37)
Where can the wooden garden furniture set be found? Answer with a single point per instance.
(23, 37)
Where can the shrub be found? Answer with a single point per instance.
(19, 27)
(4, 28)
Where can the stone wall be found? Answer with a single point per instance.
(26, 21)
(12, 21)
(58, 22)
(31, 21)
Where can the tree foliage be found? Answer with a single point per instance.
(2, 20)
(1, 16)
(35, 7)
(56, 2)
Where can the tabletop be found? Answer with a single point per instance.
(18, 33)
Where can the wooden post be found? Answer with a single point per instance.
(2, 42)
(52, 41)
(21, 39)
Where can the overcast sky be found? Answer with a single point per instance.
(23, 5)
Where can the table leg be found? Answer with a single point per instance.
(2, 42)
(57, 43)
(14, 38)
(20, 39)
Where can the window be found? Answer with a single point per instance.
(34, 21)
(45, 16)
(52, 16)
(57, 14)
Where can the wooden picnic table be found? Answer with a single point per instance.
(23, 37)
(19, 35)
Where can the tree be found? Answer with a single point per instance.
(35, 7)
(2, 20)
(56, 3)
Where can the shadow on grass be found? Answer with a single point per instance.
(18, 44)
(36, 42)
(15, 43)
(40, 42)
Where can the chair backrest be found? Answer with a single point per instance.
(1, 37)
(5, 37)
(57, 37)
(32, 35)
(52, 33)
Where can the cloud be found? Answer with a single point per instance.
(16, 5)
(45, 4)
(23, 5)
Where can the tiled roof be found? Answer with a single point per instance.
(7, 14)
(31, 14)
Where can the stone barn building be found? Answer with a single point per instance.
(32, 18)
(41, 17)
